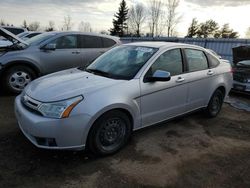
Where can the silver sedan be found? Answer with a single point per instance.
(127, 88)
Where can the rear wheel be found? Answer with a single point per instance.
(16, 78)
(215, 104)
(109, 133)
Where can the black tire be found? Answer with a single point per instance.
(109, 133)
(15, 84)
(215, 104)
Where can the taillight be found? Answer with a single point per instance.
(232, 70)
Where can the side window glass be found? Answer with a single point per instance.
(88, 41)
(108, 42)
(170, 61)
(196, 60)
(213, 61)
(65, 42)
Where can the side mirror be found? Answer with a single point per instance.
(49, 47)
(159, 75)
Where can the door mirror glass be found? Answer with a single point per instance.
(50, 46)
(159, 75)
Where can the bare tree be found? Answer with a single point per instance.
(155, 11)
(173, 18)
(137, 16)
(2, 23)
(51, 26)
(24, 25)
(34, 26)
(67, 23)
(85, 27)
(104, 32)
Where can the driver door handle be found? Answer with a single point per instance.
(180, 79)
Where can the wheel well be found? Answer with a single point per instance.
(22, 63)
(222, 89)
(115, 109)
(121, 110)
(128, 114)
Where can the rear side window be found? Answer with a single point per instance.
(88, 41)
(170, 61)
(213, 62)
(107, 43)
(196, 60)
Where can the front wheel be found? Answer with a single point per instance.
(17, 77)
(215, 104)
(109, 133)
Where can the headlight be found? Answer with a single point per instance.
(60, 109)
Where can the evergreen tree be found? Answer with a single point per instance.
(120, 20)
(226, 32)
(208, 29)
(192, 30)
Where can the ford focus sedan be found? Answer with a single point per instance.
(127, 88)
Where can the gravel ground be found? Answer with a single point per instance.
(191, 151)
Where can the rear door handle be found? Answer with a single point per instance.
(180, 79)
(210, 72)
(76, 52)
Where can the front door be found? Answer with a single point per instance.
(164, 100)
(66, 55)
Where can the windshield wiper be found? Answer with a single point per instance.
(98, 72)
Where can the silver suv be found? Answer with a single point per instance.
(127, 88)
(46, 53)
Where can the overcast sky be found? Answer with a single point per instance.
(100, 12)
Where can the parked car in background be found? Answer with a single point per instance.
(129, 87)
(241, 60)
(28, 34)
(46, 53)
(24, 36)
(15, 30)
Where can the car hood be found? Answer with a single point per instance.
(11, 37)
(66, 84)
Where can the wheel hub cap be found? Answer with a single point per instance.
(112, 132)
(19, 80)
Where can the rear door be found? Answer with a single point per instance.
(66, 55)
(199, 77)
(93, 46)
(164, 100)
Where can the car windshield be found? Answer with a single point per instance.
(40, 38)
(244, 63)
(122, 62)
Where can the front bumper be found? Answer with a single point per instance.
(241, 86)
(48, 133)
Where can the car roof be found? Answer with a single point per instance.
(14, 27)
(163, 45)
(86, 33)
